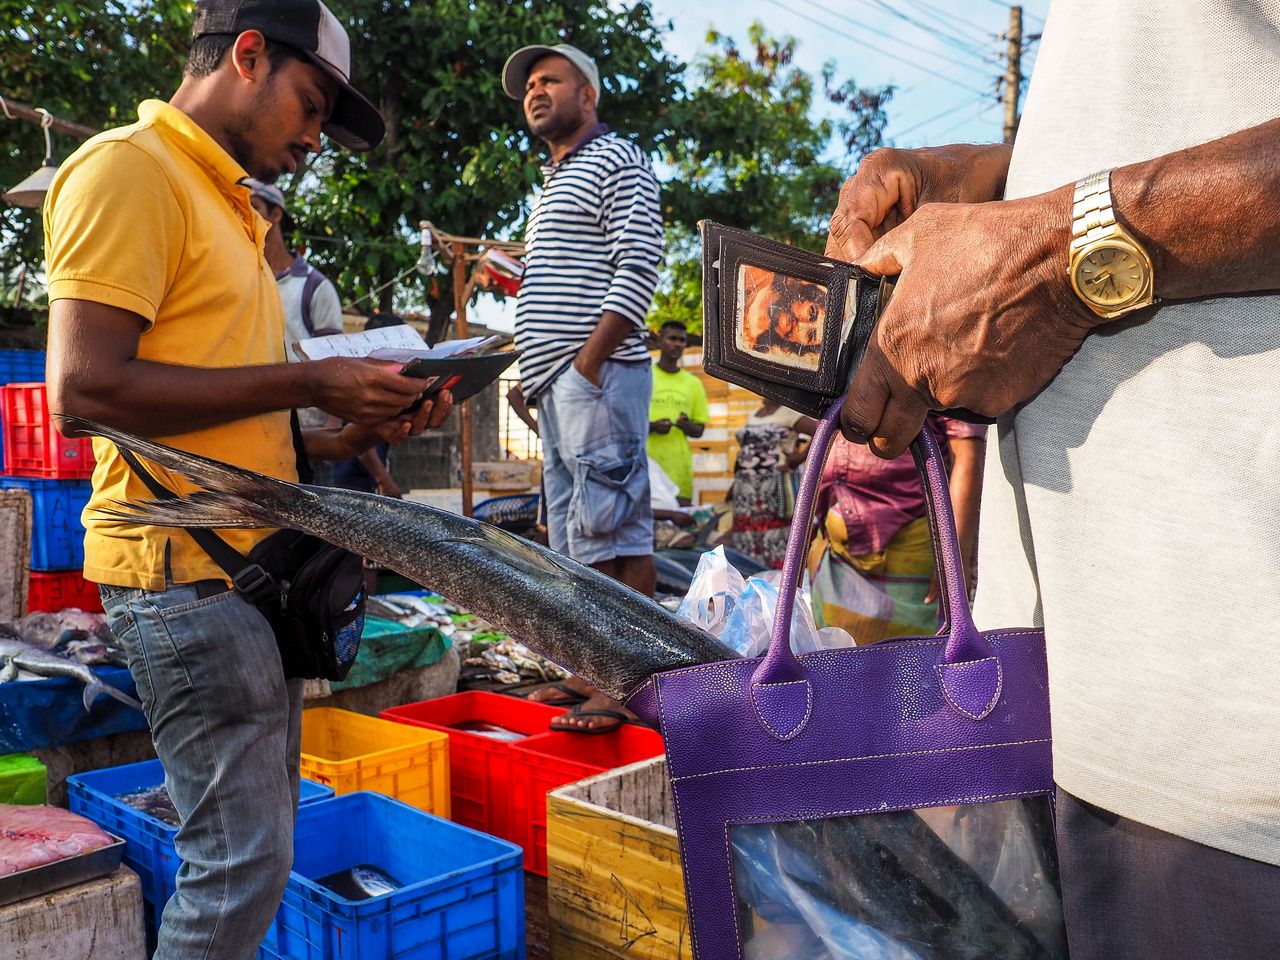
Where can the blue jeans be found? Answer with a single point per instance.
(227, 726)
(595, 468)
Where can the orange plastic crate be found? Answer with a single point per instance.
(33, 447)
(350, 751)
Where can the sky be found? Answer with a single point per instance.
(943, 56)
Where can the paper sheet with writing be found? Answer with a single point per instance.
(401, 342)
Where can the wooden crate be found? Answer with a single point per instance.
(507, 475)
(716, 451)
(614, 883)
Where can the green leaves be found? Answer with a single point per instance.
(735, 132)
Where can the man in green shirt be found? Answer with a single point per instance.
(677, 411)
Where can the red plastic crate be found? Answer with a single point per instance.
(542, 763)
(479, 767)
(62, 589)
(33, 447)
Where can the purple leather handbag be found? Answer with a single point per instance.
(885, 802)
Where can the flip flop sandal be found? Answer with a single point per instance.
(570, 696)
(576, 711)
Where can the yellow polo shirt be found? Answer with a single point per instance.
(151, 218)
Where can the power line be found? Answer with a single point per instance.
(889, 36)
(1006, 6)
(977, 33)
(950, 39)
(945, 113)
(870, 46)
(968, 119)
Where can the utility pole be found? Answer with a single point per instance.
(1013, 74)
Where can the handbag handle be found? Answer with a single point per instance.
(968, 669)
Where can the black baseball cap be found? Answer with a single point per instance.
(309, 27)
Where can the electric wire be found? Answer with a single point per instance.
(945, 113)
(950, 39)
(870, 46)
(889, 36)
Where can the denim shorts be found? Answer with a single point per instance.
(595, 468)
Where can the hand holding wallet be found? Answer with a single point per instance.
(786, 323)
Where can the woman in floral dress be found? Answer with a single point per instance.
(764, 481)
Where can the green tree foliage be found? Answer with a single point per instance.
(742, 146)
(750, 153)
(457, 152)
(86, 62)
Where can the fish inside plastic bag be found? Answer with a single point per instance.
(968, 882)
(739, 610)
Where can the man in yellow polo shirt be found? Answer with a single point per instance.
(165, 321)
(677, 410)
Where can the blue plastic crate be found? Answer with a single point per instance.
(22, 366)
(462, 893)
(149, 847)
(57, 536)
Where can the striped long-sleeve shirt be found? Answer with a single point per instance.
(594, 242)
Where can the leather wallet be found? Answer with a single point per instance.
(786, 323)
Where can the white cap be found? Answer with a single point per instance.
(515, 73)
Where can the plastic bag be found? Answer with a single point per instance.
(740, 611)
(949, 883)
(31, 836)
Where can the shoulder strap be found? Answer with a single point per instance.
(250, 580)
(309, 287)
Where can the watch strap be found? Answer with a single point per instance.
(1093, 215)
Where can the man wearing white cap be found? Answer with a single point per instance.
(594, 244)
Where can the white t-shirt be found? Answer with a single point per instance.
(1131, 507)
(326, 308)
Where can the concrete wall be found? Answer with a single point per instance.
(434, 460)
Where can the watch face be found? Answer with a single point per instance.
(1111, 276)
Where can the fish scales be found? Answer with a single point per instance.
(567, 611)
(570, 613)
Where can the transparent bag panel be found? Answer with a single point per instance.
(971, 882)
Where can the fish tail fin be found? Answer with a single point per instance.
(92, 691)
(233, 498)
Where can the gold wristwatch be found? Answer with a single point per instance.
(1109, 270)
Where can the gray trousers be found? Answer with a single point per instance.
(227, 726)
(1132, 892)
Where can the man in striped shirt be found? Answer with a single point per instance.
(594, 241)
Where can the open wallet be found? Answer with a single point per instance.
(786, 323)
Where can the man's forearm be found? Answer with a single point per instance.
(966, 493)
(610, 331)
(1207, 215)
(160, 399)
(373, 463)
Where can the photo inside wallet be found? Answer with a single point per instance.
(778, 314)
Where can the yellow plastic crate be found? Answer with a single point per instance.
(350, 751)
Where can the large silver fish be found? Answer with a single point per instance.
(570, 613)
(16, 655)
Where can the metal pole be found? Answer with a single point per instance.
(464, 411)
(1013, 74)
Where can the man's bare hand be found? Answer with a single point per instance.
(982, 316)
(890, 185)
(359, 390)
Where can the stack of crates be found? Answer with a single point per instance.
(55, 471)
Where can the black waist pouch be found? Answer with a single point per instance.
(313, 595)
